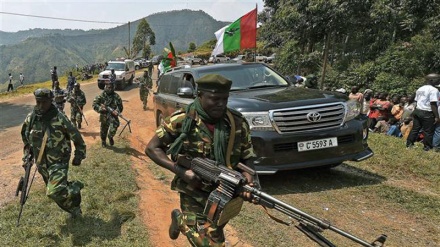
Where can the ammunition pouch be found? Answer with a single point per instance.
(222, 207)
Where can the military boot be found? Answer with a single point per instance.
(111, 141)
(103, 143)
(174, 230)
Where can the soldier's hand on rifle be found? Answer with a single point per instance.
(103, 108)
(115, 113)
(188, 176)
(76, 161)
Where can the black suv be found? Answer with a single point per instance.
(291, 127)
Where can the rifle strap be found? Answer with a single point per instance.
(231, 139)
(275, 218)
(43, 146)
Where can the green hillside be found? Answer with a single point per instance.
(35, 55)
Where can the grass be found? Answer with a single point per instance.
(109, 203)
(30, 88)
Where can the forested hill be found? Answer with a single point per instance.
(36, 51)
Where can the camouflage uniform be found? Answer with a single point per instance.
(76, 99)
(59, 98)
(109, 123)
(71, 80)
(145, 85)
(199, 143)
(54, 164)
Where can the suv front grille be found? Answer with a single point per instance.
(308, 118)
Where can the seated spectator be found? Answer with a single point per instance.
(409, 107)
(394, 129)
(397, 109)
(406, 127)
(381, 126)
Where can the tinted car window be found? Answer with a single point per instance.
(174, 84)
(164, 84)
(249, 76)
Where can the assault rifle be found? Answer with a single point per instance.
(23, 185)
(79, 109)
(222, 203)
(110, 110)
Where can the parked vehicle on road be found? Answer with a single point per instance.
(271, 58)
(124, 70)
(195, 60)
(260, 58)
(157, 59)
(218, 59)
(239, 58)
(291, 127)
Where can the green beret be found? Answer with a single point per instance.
(43, 93)
(214, 83)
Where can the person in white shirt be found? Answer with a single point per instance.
(426, 115)
(10, 85)
(21, 78)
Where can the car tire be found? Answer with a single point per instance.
(136, 67)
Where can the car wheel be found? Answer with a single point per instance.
(159, 119)
(130, 82)
(136, 67)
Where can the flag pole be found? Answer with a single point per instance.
(255, 49)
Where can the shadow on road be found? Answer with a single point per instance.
(315, 180)
(13, 115)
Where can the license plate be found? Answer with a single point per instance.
(317, 144)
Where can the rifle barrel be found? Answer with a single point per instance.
(302, 216)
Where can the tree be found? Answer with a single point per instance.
(192, 47)
(143, 39)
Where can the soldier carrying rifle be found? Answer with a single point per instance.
(77, 100)
(145, 85)
(206, 129)
(109, 119)
(47, 135)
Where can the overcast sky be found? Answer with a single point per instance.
(118, 12)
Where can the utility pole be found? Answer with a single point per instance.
(129, 51)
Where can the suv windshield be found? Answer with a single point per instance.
(246, 77)
(116, 66)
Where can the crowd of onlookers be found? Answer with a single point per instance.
(393, 115)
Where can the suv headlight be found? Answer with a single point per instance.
(258, 121)
(352, 109)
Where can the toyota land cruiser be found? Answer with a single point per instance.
(291, 127)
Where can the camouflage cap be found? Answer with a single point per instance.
(43, 93)
(214, 83)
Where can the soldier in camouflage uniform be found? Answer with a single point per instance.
(202, 130)
(59, 96)
(145, 84)
(109, 119)
(77, 100)
(45, 122)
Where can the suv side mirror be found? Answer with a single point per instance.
(185, 92)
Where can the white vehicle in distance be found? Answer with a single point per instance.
(124, 71)
(218, 59)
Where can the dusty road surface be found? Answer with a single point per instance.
(156, 216)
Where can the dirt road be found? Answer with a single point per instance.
(156, 198)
